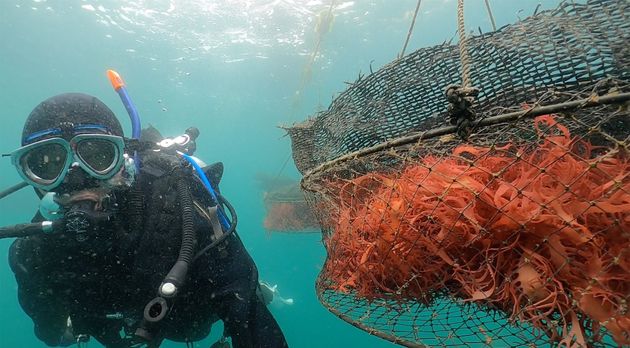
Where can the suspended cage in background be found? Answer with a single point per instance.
(286, 208)
(501, 222)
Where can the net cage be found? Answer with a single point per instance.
(509, 229)
(287, 210)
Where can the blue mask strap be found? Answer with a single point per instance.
(80, 128)
(91, 127)
(40, 134)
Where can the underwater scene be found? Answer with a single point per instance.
(315, 173)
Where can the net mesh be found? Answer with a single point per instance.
(518, 235)
(288, 211)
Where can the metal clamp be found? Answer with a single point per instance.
(460, 101)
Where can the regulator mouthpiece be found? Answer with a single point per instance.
(49, 208)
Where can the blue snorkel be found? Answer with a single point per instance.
(119, 86)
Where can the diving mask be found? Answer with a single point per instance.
(45, 163)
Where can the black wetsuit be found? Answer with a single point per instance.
(118, 271)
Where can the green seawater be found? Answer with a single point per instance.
(235, 69)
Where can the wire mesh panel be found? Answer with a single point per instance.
(287, 211)
(569, 49)
(518, 235)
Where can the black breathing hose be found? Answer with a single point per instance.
(157, 308)
(177, 274)
(135, 209)
(28, 229)
(12, 189)
(232, 229)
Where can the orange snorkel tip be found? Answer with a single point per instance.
(115, 79)
(119, 87)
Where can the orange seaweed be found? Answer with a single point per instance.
(540, 231)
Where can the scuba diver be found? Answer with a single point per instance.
(133, 242)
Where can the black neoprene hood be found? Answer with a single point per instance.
(70, 108)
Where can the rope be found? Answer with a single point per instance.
(307, 71)
(320, 37)
(494, 25)
(463, 48)
(413, 22)
(282, 168)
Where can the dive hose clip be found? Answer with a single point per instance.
(183, 143)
